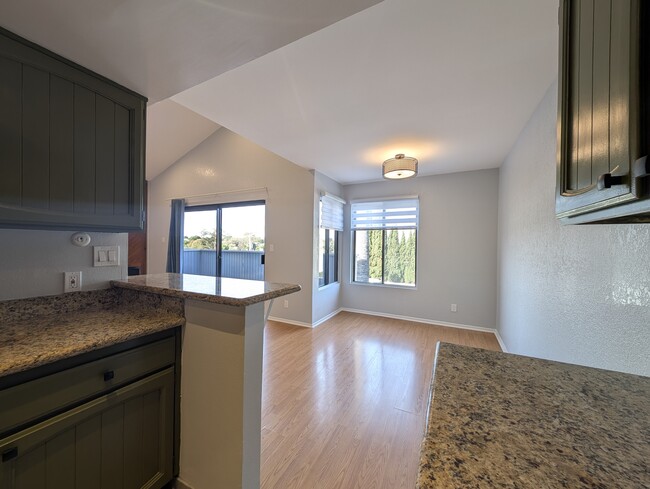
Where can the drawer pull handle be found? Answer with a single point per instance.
(10, 454)
(109, 375)
(607, 180)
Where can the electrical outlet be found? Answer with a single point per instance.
(71, 281)
(454, 308)
(286, 304)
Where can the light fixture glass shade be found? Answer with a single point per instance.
(400, 167)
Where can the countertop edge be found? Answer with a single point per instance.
(215, 299)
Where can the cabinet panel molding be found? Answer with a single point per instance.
(71, 145)
(602, 107)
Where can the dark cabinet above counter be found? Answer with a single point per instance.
(71, 144)
(603, 114)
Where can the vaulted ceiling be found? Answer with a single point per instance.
(451, 83)
(332, 85)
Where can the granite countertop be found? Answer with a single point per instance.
(505, 421)
(41, 330)
(219, 290)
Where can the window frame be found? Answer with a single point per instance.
(327, 270)
(384, 229)
(219, 221)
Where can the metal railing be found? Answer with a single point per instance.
(234, 264)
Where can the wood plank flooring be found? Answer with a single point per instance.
(344, 404)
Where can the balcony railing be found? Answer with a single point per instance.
(234, 264)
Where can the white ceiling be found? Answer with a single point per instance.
(172, 131)
(451, 83)
(161, 47)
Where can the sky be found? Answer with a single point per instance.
(236, 221)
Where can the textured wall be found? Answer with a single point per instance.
(578, 294)
(226, 162)
(456, 253)
(32, 262)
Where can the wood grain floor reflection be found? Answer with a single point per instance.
(344, 404)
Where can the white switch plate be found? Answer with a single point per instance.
(454, 308)
(106, 256)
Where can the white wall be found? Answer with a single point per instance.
(457, 249)
(225, 162)
(32, 262)
(578, 294)
(326, 300)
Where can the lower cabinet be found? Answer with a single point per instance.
(120, 440)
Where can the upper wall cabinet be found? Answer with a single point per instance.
(602, 170)
(71, 144)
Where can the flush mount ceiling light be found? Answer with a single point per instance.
(400, 167)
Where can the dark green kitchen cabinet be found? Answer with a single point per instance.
(121, 440)
(602, 117)
(71, 144)
(108, 423)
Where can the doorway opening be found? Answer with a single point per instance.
(225, 240)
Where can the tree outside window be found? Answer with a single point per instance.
(385, 242)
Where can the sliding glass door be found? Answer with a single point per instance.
(225, 240)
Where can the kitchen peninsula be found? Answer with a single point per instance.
(88, 365)
(221, 376)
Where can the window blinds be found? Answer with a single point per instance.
(401, 213)
(331, 212)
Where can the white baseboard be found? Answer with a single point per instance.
(323, 319)
(470, 327)
(434, 322)
(421, 320)
(290, 321)
(500, 340)
(304, 325)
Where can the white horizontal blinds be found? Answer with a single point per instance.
(386, 214)
(331, 212)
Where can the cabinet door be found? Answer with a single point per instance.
(598, 119)
(119, 441)
(71, 144)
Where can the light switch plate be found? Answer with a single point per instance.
(106, 256)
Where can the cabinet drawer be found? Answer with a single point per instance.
(28, 402)
(120, 440)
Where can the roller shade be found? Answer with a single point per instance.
(399, 213)
(331, 212)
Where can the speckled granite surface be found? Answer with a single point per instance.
(42, 330)
(228, 291)
(505, 421)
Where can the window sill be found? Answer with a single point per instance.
(323, 287)
(385, 286)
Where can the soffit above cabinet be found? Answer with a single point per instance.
(161, 47)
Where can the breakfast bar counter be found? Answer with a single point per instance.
(498, 420)
(221, 376)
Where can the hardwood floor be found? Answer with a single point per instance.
(344, 404)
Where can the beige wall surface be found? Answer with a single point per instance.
(577, 294)
(226, 162)
(456, 250)
(32, 262)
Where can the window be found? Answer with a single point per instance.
(328, 257)
(331, 225)
(225, 240)
(385, 242)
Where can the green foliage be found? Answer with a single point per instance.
(392, 263)
(399, 259)
(374, 254)
(208, 241)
